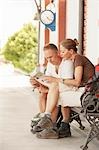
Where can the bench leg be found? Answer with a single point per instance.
(93, 133)
(90, 137)
(59, 117)
(75, 116)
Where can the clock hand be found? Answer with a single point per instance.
(48, 18)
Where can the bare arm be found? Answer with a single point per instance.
(74, 82)
(37, 85)
(33, 82)
(78, 77)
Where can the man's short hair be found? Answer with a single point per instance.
(51, 46)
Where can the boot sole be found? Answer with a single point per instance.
(62, 136)
(52, 137)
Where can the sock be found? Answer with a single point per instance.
(48, 114)
(42, 114)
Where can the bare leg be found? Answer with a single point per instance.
(52, 97)
(54, 114)
(42, 102)
(51, 110)
(64, 129)
(66, 113)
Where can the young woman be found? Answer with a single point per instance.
(83, 71)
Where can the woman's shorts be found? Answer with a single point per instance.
(71, 98)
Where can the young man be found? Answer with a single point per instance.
(56, 69)
(51, 54)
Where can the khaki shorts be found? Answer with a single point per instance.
(71, 97)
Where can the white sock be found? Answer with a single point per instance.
(48, 114)
(42, 114)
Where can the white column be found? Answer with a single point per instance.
(72, 18)
(42, 42)
(42, 37)
(92, 50)
(54, 34)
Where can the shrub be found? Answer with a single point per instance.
(21, 48)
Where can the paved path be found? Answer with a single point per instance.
(17, 106)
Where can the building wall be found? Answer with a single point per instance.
(67, 23)
(92, 46)
(74, 19)
(46, 35)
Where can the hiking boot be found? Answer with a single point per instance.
(50, 133)
(44, 123)
(35, 120)
(64, 130)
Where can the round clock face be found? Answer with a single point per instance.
(47, 17)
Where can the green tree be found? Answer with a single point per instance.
(21, 48)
